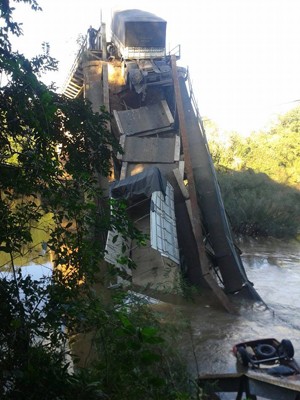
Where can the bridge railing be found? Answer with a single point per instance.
(176, 51)
(74, 65)
(99, 47)
(194, 103)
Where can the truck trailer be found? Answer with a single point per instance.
(139, 41)
(138, 35)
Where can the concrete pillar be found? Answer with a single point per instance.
(93, 86)
(96, 90)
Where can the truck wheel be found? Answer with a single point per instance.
(243, 356)
(265, 351)
(286, 348)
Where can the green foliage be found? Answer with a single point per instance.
(133, 354)
(275, 153)
(259, 178)
(138, 357)
(53, 154)
(256, 205)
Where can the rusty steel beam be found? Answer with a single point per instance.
(195, 218)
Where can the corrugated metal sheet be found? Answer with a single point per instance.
(163, 224)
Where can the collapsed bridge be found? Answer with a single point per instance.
(165, 172)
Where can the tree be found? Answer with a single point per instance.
(259, 178)
(275, 152)
(52, 150)
(37, 180)
(285, 138)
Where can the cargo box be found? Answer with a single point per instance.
(138, 34)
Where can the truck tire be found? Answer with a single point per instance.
(286, 348)
(265, 351)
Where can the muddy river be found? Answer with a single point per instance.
(274, 268)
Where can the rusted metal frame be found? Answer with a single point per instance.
(196, 221)
(176, 51)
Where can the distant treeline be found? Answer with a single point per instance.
(259, 176)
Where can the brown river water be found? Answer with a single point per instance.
(274, 268)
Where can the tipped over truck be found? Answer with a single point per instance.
(139, 41)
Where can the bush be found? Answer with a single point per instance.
(256, 205)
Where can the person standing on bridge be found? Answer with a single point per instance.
(92, 34)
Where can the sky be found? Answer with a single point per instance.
(243, 55)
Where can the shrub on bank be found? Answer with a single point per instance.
(256, 205)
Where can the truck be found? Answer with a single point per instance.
(138, 35)
(139, 40)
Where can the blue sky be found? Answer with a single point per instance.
(243, 55)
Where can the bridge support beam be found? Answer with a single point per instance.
(196, 220)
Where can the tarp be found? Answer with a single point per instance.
(137, 28)
(144, 183)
